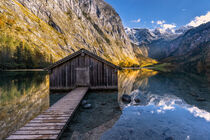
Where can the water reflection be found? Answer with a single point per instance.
(172, 106)
(90, 124)
(23, 95)
(131, 80)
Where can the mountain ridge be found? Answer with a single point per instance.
(54, 29)
(189, 51)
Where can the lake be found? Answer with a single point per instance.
(173, 106)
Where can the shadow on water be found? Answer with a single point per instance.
(23, 95)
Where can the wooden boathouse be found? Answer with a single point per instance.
(77, 72)
(83, 69)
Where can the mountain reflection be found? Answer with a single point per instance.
(150, 86)
(131, 80)
(172, 106)
(22, 97)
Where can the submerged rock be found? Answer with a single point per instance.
(84, 102)
(194, 94)
(169, 138)
(126, 98)
(150, 132)
(87, 106)
(201, 99)
(103, 103)
(137, 100)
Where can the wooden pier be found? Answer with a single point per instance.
(51, 123)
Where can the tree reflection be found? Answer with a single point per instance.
(23, 95)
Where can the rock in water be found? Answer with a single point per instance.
(103, 103)
(194, 94)
(84, 102)
(87, 106)
(169, 138)
(200, 99)
(137, 100)
(126, 98)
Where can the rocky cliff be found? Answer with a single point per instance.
(49, 30)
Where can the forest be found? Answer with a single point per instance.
(16, 54)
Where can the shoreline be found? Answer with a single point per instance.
(133, 68)
(22, 70)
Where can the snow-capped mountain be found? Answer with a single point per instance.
(187, 47)
(155, 40)
(183, 29)
(140, 36)
(143, 36)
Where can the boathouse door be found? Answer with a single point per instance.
(83, 76)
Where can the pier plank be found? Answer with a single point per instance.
(33, 137)
(38, 132)
(51, 118)
(55, 127)
(47, 115)
(51, 123)
(44, 124)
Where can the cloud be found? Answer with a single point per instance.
(199, 113)
(200, 20)
(163, 26)
(160, 22)
(136, 21)
(168, 26)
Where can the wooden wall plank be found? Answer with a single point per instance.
(101, 74)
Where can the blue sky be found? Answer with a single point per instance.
(141, 13)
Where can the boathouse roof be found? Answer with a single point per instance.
(79, 53)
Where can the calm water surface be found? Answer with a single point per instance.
(173, 106)
(23, 95)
